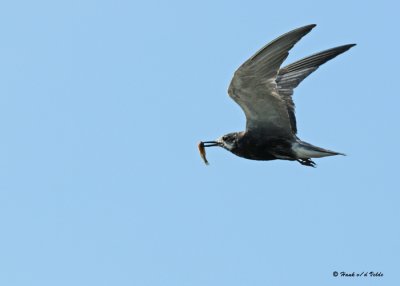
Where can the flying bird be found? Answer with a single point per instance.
(264, 89)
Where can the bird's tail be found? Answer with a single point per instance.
(304, 150)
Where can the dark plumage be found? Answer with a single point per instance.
(264, 92)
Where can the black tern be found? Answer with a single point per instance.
(264, 91)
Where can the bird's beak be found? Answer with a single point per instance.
(211, 143)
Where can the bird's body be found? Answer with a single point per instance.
(264, 92)
(262, 149)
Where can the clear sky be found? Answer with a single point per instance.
(102, 104)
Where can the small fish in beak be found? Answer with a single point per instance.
(203, 152)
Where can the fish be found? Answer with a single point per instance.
(203, 152)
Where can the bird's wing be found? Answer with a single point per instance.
(254, 87)
(290, 76)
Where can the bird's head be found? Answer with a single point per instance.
(228, 141)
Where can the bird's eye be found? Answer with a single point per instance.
(224, 138)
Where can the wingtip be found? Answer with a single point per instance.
(308, 27)
(344, 48)
(311, 26)
(304, 30)
(351, 45)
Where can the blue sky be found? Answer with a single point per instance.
(103, 103)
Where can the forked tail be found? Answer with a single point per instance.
(304, 151)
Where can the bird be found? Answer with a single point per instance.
(263, 89)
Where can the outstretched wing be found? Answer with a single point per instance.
(254, 87)
(290, 76)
